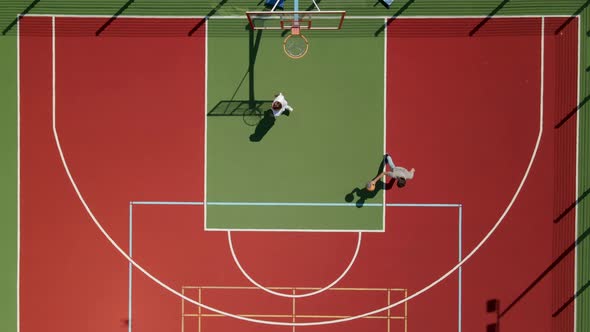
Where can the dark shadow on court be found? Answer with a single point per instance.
(209, 14)
(250, 107)
(487, 18)
(572, 112)
(493, 307)
(312, 6)
(251, 111)
(363, 194)
(384, 3)
(19, 17)
(543, 274)
(572, 17)
(571, 207)
(263, 127)
(114, 17)
(569, 301)
(394, 17)
(239, 107)
(253, 46)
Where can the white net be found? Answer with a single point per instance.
(295, 46)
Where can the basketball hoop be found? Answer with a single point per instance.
(295, 45)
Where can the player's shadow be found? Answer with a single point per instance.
(363, 194)
(263, 126)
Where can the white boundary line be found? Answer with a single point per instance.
(577, 178)
(130, 315)
(460, 272)
(384, 114)
(296, 230)
(362, 17)
(294, 296)
(205, 115)
(18, 175)
(276, 323)
(452, 16)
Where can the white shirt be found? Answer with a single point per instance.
(281, 99)
(400, 172)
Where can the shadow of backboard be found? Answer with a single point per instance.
(250, 110)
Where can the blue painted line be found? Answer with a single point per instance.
(423, 205)
(438, 205)
(165, 203)
(288, 204)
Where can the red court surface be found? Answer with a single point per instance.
(114, 98)
(169, 242)
(463, 111)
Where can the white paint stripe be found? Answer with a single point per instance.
(18, 175)
(130, 315)
(460, 272)
(134, 16)
(293, 296)
(275, 6)
(173, 291)
(294, 230)
(276, 323)
(454, 16)
(437, 205)
(576, 281)
(384, 112)
(362, 17)
(205, 115)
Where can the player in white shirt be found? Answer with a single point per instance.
(279, 105)
(399, 173)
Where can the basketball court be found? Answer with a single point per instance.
(151, 136)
